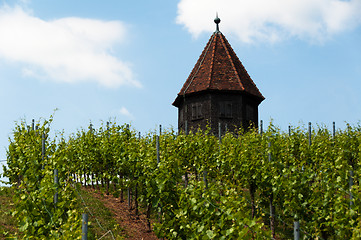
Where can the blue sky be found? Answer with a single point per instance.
(95, 60)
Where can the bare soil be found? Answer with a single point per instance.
(135, 226)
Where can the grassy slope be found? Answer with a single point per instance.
(101, 220)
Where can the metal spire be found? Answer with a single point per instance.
(217, 21)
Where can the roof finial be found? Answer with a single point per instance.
(217, 21)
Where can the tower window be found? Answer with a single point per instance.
(197, 111)
(225, 109)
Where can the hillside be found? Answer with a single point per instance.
(108, 216)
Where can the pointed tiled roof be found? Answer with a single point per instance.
(219, 69)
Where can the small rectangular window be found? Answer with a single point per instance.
(194, 111)
(197, 111)
(225, 109)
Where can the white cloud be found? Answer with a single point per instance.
(67, 50)
(123, 111)
(271, 20)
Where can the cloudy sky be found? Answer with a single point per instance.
(95, 60)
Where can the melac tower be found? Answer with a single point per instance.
(218, 92)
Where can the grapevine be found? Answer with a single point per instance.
(196, 186)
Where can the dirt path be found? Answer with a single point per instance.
(135, 226)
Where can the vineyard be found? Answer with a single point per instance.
(257, 184)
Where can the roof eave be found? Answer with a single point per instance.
(176, 102)
(179, 97)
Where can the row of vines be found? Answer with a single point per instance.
(249, 186)
(30, 170)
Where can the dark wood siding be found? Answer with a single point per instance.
(231, 110)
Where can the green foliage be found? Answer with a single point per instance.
(201, 188)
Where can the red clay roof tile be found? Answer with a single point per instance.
(218, 68)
